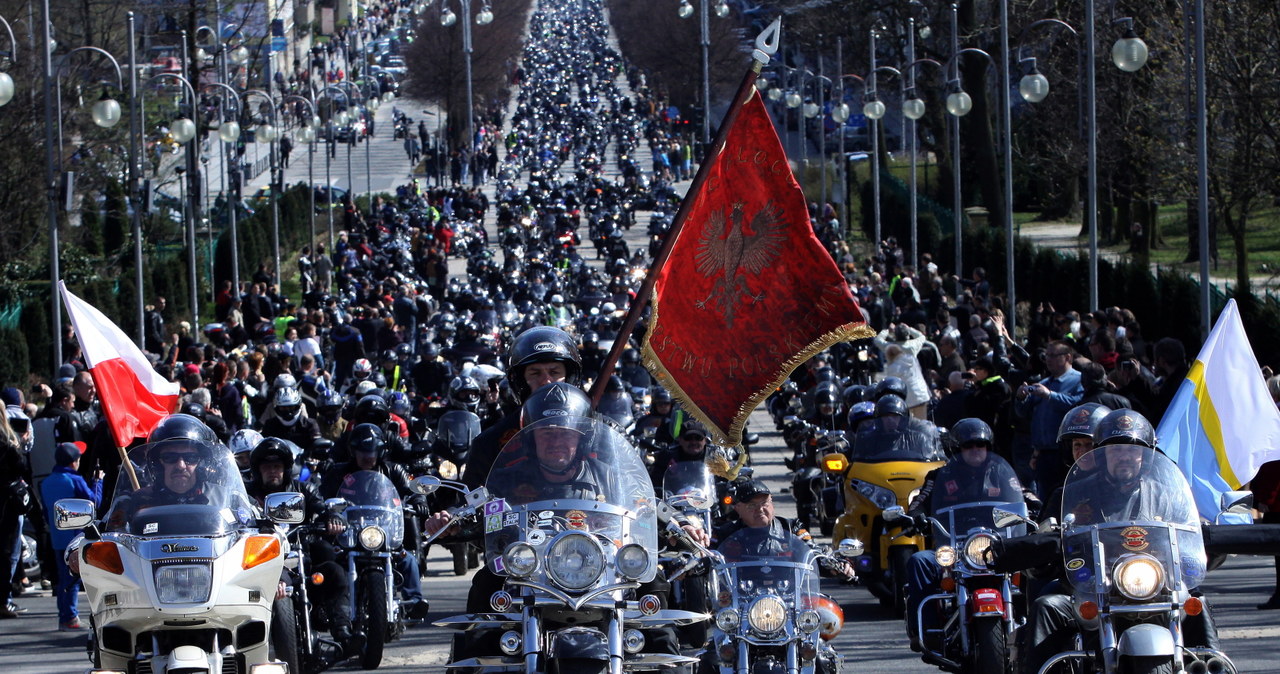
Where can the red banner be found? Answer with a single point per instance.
(748, 293)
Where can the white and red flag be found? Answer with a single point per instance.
(134, 396)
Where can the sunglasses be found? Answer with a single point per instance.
(170, 459)
(974, 445)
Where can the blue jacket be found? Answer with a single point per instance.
(1046, 413)
(66, 483)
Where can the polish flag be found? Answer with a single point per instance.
(134, 396)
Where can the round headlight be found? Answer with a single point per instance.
(520, 559)
(728, 620)
(633, 561)
(575, 561)
(372, 537)
(808, 621)
(975, 550)
(768, 614)
(945, 555)
(1139, 577)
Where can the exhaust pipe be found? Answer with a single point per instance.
(1197, 666)
(1216, 665)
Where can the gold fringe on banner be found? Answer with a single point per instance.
(733, 436)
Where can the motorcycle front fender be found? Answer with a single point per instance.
(1146, 640)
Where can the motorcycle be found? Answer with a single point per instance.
(772, 616)
(183, 587)
(975, 609)
(572, 565)
(1132, 555)
(690, 488)
(455, 432)
(316, 653)
(374, 518)
(886, 466)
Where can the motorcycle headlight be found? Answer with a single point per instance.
(633, 561)
(575, 561)
(880, 496)
(975, 550)
(184, 583)
(945, 555)
(520, 559)
(728, 620)
(767, 614)
(1139, 577)
(808, 621)
(372, 537)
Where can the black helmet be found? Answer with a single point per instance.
(972, 430)
(330, 402)
(1124, 427)
(890, 385)
(555, 401)
(371, 409)
(1081, 420)
(366, 438)
(859, 412)
(659, 395)
(464, 394)
(615, 385)
(826, 393)
(275, 449)
(542, 344)
(193, 409)
(856, 394)
(891, 406)
(184, 427)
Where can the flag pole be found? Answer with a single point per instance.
(128, 467)
(766, 47)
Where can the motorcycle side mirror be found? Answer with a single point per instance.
(850, 548)
(70, 514)
(892, 513)
(750, 439)
(322, 449)
(1236, 502)
(336, 505)
(1004, 518)
(1068, 520)
(425, 484)
(286, 507)
(790, 419)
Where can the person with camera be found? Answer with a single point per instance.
(1044, 403)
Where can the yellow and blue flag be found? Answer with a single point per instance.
(1222, 424)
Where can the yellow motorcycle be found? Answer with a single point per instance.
(886, 466)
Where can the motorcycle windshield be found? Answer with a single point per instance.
(184, 489)
(1121, 502)
(766, 561)
(617, 406)
(689, 487)
(967, 489)
(577, 493)
(897, 439)
(458, 428)
(372, 502)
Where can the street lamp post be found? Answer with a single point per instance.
(183, 130)
(483, 18)
(1129, 54)
(307, 134)
(270, 132)
(105, 113)
(333, 119)
(959, 104)
(704, 40)
(873, 109)
(229, 132)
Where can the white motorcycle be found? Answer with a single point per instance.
(182, 582)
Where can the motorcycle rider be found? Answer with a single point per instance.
(1120, 482)
(661, 403)
(753, 504)
(978, 475)
(275, 470)
(179, 460)
(690, 446)
(367, 445)
(289, 422)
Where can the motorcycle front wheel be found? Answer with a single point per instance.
(991, 647)
(284, 634)
(375, 619)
